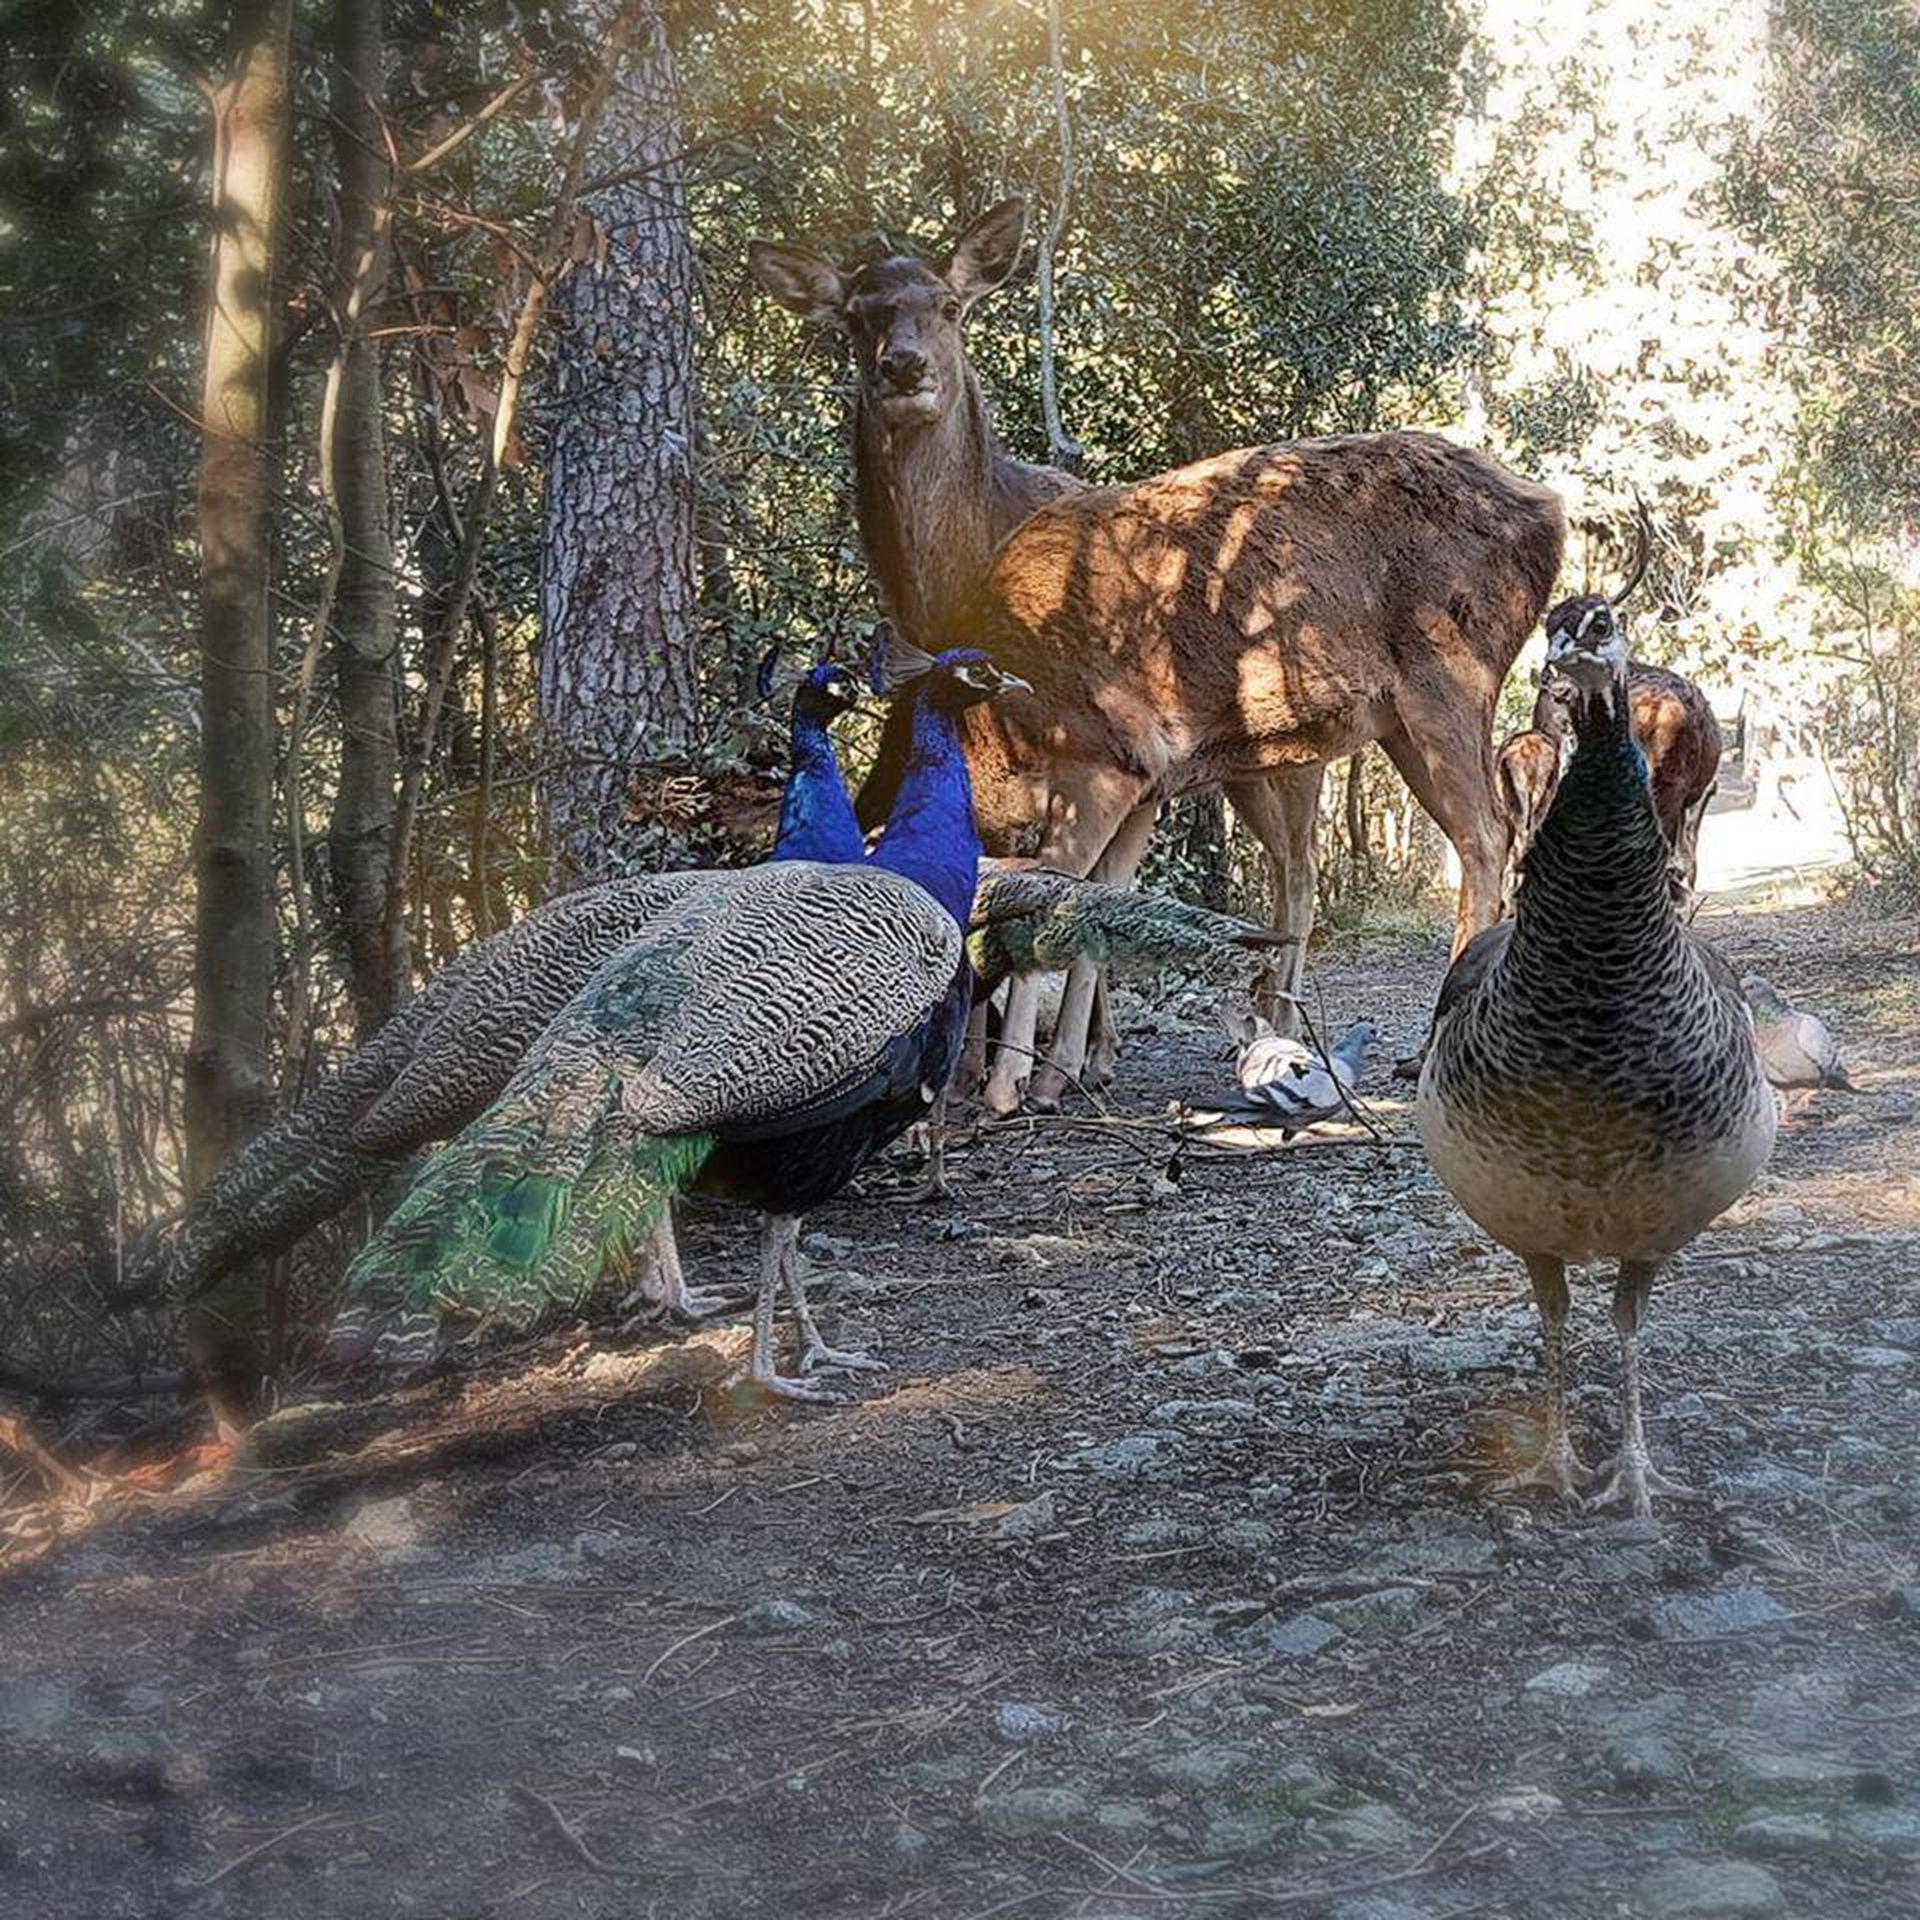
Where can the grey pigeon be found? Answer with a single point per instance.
(1285, 1084)
(1796, 1050)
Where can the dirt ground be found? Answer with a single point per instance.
(1160, 1575)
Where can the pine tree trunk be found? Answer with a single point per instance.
(361, 827)
(619, 677)
(229, 1088)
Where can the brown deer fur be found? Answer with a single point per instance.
(1236, 623)
(1674, 725)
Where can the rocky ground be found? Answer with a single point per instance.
(1161, 1575)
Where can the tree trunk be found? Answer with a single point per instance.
(229, 1089)
(619, 675)
(361, 828)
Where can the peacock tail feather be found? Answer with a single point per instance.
(530, 1206)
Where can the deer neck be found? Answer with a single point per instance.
(926, 502)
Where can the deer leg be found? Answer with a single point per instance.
(1103, 1049)
(1444, 752)
(1083, 819)
(973, 1056)
(1068, 1055)
(1279, 810)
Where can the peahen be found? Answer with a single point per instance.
(446, 1055)
(1593, 1089)
(760, 1041)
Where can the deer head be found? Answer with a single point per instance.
(903, 315)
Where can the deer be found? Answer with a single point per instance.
(1673, 724)
(1236, 624)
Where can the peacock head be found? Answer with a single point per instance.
(964, 676)
(827, 692)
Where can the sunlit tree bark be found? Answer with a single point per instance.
(229, 1087)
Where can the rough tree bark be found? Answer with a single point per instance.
(229, 1087)
(361, 826)
(618, 662)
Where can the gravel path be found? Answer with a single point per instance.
(1159, 1576)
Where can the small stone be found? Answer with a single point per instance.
(1296, 1639)
(952, 1771)
(1880, 1359)
(384, 1526)
(1784, 1835)
(1884, 1830)
(601, 1546)
(1571, 1680)
(1122, 1817)
(1197, 1768)
(126, 1760)
(619, 1450)
(1706, 1616)
(1643, 1762)
(909, 1842)
(1247, 1830)
(739, 1453)
(1023, 1722)
(1373, 1616)
(767, 1617)
(1027, 1811)
(827, 1246)
(1710, 1890)
(1370, 1825)
(1249, 1536)
(1204, 1415)
(1029, 1520)
(1176, 1533)
(35, 1709)
(1133, 1456)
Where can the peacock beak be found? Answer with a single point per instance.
(1011, 683)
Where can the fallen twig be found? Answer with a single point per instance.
(570, 1836)
(268, 1845)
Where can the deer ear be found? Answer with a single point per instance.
(802, 282)
(989, 250)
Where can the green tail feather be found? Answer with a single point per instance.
(514, 1217)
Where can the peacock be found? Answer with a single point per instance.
(759, 1041)
(1593, 1089)
(445, 1056)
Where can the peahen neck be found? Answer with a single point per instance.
(1596, 874)
(930, 837)
(816, 817)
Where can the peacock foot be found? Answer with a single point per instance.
(1632, 1480)
(933, 1187)
(818, 1357)
(783, 1386)
(1559, 1469)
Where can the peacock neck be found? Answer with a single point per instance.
(930, 836)
(1596, 874)
(816, 817)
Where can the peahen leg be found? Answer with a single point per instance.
(778, 1251)
(1632, 1478)
(816, 1356)
(1559, 1466)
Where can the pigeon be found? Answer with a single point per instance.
(1284, 1083)
(1796, 1050)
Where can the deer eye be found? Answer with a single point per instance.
(949, 309)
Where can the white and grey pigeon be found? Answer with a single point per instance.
(1796, 1050)
(1285, 1084)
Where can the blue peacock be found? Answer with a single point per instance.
(760, 1040)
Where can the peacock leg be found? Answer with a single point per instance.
(816, 1356)
(665, 1282)
(778, 1247)
(1559, 1466)
(1632, 1478)
(933, 1185)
